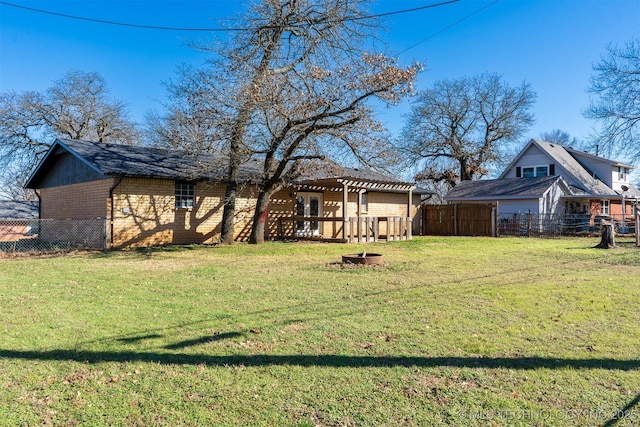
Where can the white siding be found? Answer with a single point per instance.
(616, 182)
(551, 202)
(602, 169)
(508, 207)
(533, 156)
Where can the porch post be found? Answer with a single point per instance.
(345, 210)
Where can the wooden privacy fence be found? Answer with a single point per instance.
(459, 219)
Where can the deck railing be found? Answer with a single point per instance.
(362, 229)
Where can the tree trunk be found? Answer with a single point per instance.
(465, 173)
(607, 239)
(228, 214)
(260, 218)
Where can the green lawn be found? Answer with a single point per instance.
(450, 331)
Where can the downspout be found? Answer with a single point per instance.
(39, 203)
(117, 182)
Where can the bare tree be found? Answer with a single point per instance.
(466, 120)
(193, 120)
(323, 113)
(75, 107)
(293, 86)
(615, 86)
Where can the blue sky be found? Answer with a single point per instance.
(552, 44)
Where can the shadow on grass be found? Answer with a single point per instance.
(203, 340)
(139, 338)
(623, 413)
(322, 360)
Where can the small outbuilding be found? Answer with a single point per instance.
(150, 196)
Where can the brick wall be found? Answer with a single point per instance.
(76, 201)
(144, 213)
(281, 205)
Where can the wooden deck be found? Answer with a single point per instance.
(362, 229)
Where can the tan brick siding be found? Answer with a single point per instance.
(144, 211)
(76, 201)
(281, 205)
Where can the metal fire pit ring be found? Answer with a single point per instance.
(362, 258)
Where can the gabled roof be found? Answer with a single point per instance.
(16, 209)
(512, 188)
(580, 153)
(111, 160)
(576, 175)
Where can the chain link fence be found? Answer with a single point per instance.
(551, 225)
(51, 235)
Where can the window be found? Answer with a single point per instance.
(605, 207)
(622, 173)
(542, 170)
(364, 202)
(535, 171)
(308, 205)
(185, 195)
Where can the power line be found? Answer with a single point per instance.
(166, 28)
(122, 24)
(448, 27)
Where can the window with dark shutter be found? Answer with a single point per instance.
(518, 172)
(552, 169)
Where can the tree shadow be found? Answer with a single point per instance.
(131, 340)
(623, 413)
(203, 340)
(320, 360)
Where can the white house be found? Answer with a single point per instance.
(549, 179)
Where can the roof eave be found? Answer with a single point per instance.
(57, 143)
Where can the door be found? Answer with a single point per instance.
(308, 205)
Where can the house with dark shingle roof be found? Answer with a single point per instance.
(150, 196)
(18, 209)
(549, 179)
(16, 219)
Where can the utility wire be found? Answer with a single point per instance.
(165, 28)
(448, 27)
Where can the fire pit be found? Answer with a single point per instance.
(362, 258)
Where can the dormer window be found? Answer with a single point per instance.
(542, 170)
(622, 173)
(534, 171)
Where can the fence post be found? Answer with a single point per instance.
(494, 229)
(367, 222)
(105, 229)
(455, 219)
(638, 229)
(376, 229)
(497, 218)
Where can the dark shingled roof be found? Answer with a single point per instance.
(144, 162)
(13, 209)
(151, 162)
(492, 189)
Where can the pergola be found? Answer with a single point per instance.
(359, 186)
